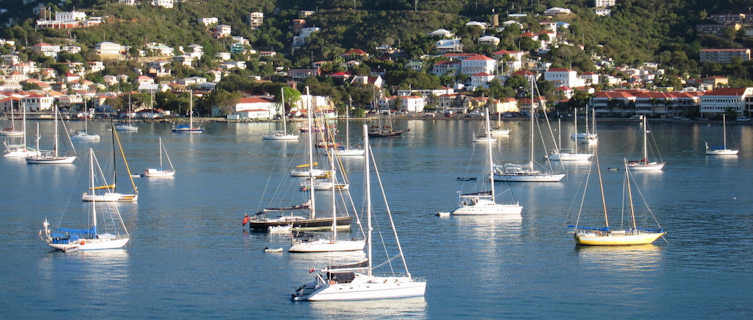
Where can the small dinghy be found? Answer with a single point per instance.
(272, 250)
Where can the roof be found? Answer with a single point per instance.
(726, 92)
(478, 57)
(357, 52)
(482, 74)
(254, 100)
(560, 70)
(501, 52)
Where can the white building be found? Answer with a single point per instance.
(604, 3)
(441, 33)
(209, 21)
(256, 19)
(160, 49)
(223, 56)
(109, 50)
(481, 79)
(71, 49)
(70, 16)
(163, 3)
(444, 67)
(46, 49)
(590, 78)
(222, 30)
(488, 40)
(510, 60)
(564, 77)
(449, 45)
(478, 64)
(411, 103)
(127, 2)
(36, 102)
(719, 100)
(557, 11)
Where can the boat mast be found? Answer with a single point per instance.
(576, 129)
(367, 150)
(586, 107)
(125, 162)
(91, 187)
(593, 119)
(56, 131)
(190, 109)
(333, 180)
(282, 99)
(347, 123)
(39, 152)
(114, 162)
(630, 196)
(559, 131)
(86, 118)
(491, 159)
(533, 113)
(724, 131)
(12, 117)
(645, 140)
(23, 124)
(601, 187)
(311, 158)
(160, 153)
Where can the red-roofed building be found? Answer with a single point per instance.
(511, 60)
(722, 99)
(478, 64)
(503, 105)
(355, 54)
(340, 75)
(481, 80)
(639, 101)
(255, 107)
(563, 77)
(524, 104)
(443, 67)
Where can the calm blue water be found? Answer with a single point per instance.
(189, 256)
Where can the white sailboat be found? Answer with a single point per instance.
(110, 194)
(282, 135)
(644, 164)
(498, 131)
(66, 239)
(188, 128)
(358, 281)
(566, 154)
(127, 126)
(484, 203)
(331, 244)
(161, 172)
(11, 132)
(52, 157)
(609, 236)
(587, 137)
(512, 172)
(84, 135)
(721, 151)
(347, 151)
(21, 150)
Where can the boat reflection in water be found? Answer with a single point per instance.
(621, 258)
(408, 308)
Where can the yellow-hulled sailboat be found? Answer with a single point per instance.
(622, 236)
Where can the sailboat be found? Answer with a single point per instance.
(484, 203)
(644, 164)
(11, 132)
(111, 195)
(161, 172)
(608, 236)
(587, 137)
(260, 222)
(127, 126)
(52, 157)
(282, 135)
(512, 172)
(188, 128)
(358, 281)
(21, 150)
(485, 136)
(93, 238)
(347, 151)
(721, 151)
(498, 131)
(305, 245)
(385, 128)
(569, 155)
(84, 135)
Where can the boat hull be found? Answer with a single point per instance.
(109, 197)
(317, 224)
(305, 173)
(488, 210)
(651, 166)
(566, 156)
(323, 245)
(529, 178)
(363, 287)
(188, 130)
(90, 244)
(280, 137)
(21, 153)
(10, 133)
(126, 128)
(722, 152)
(616, 238)
(350, 152)
(157, 173)
(50, 160)
(86, 138)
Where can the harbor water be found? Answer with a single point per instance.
(190, 257)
